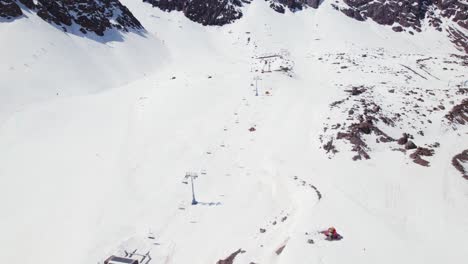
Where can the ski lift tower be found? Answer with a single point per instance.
(192, 176)
(256, 78)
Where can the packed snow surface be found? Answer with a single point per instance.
(97, 136)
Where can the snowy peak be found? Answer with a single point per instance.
(88, 15)
(97, 16)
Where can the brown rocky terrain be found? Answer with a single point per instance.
(215, 12)
(396, 115)
(458, 161)
(409, 15)
(206, 12)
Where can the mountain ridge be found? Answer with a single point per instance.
(447, 16)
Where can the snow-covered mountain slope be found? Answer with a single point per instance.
(84, 15)
(97, 136)
(40, 61)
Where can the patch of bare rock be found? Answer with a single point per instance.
(460, 162)
(230, 258)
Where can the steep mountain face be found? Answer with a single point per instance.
(221, 12)
(206, 12)
(410, 14)
(405, 13)
(90, 15)
(9, 9)
(449, 16)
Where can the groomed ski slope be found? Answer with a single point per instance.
(99, 166)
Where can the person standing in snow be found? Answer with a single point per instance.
(332, 234)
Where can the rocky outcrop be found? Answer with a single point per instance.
(459, 161)
(230, 258)
(205, 12)
(410, 14)
(222, 12)
(407, 13)
(293, 5)
(459, 114)
(90, 15)
(458, 38)
(457, 11)
(9, 9)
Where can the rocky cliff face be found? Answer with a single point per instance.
(221, 12)
(9, 9)
(409, 15)
(449, 16)
(206, 12)
(89, 15)
(293, 5)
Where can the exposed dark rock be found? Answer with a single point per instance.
(397, 29)
(230, 258)
(364, 124)
(357, 90)
(9, 9)
(91, 15)
(222, 12)
(168, 5)
(206, 12)
(458, 160)
(329, 147)
(410, 145)
(407, 13)
(404, 139)
(336, 103)
(314, 3)
(458, 38)
(419, 153)
(28, 3)
(365, 127)
(213, 12)
(410, 14)
(292, 5)
(459, 113)
(280, 250)
(277, 7)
